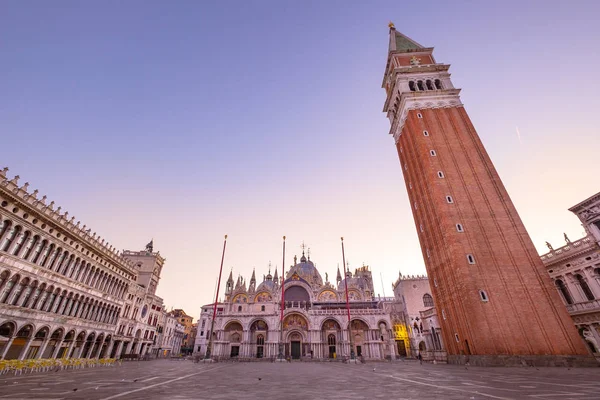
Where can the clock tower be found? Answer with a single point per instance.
(494, 299)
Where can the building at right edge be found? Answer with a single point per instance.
(575, 270)
(496, 303)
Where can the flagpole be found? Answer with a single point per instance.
(212, 324)
(280, 356)
(347, 303)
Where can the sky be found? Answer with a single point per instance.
(185, 121)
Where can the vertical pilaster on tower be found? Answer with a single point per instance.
(491, 290)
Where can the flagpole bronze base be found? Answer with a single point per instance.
(280, 356)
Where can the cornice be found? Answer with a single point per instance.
(46, 212)
(569, 252)
(585, 203)
(448, 98)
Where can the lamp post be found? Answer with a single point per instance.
(280, 356)
(212, 323)
(352, 357)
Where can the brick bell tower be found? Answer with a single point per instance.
(494, 298)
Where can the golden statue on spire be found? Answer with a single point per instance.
(391, 25)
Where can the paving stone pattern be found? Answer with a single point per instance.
(165, 379)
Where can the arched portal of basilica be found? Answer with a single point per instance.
(315, 323)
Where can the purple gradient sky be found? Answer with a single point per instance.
(183, 121)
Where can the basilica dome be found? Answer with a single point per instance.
(267, 285)
(306, 270)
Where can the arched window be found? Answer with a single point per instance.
(30, 247)
(3, 278)
(411, 86)
(438, 84)
(38, 251)
(10, 238)
(560, 285)
(6, 224)
(429, 84)
(584, 287)
(8, 288)
(260, 342)
(427, 300)
(46, 254)
(420, 85)
(21, 243)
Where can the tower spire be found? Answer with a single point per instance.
(400, 42)
(229, 283)
(252, 280)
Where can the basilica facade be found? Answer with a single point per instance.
(315, 317)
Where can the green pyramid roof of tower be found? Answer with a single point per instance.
(404, 43)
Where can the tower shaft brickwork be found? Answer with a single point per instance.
(493, 295)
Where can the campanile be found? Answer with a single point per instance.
(495, 301)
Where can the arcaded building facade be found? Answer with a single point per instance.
(315, 320)
(575, 271)
(63, 289)
(491, 291)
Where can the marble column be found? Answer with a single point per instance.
(42, 348)
(57, 348)
(574, 288)
(109, 349)
(25, 348)
(88, 351)
(119, 349)
(591, 281)
(70, 349)
(98, 350)
(6, 347)
(128, 348)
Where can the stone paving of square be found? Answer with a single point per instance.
(162, 379)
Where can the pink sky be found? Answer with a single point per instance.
(188, 123)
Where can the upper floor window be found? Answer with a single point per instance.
(584, 287)
(562, 288)
(421, 86)
(427, 300)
